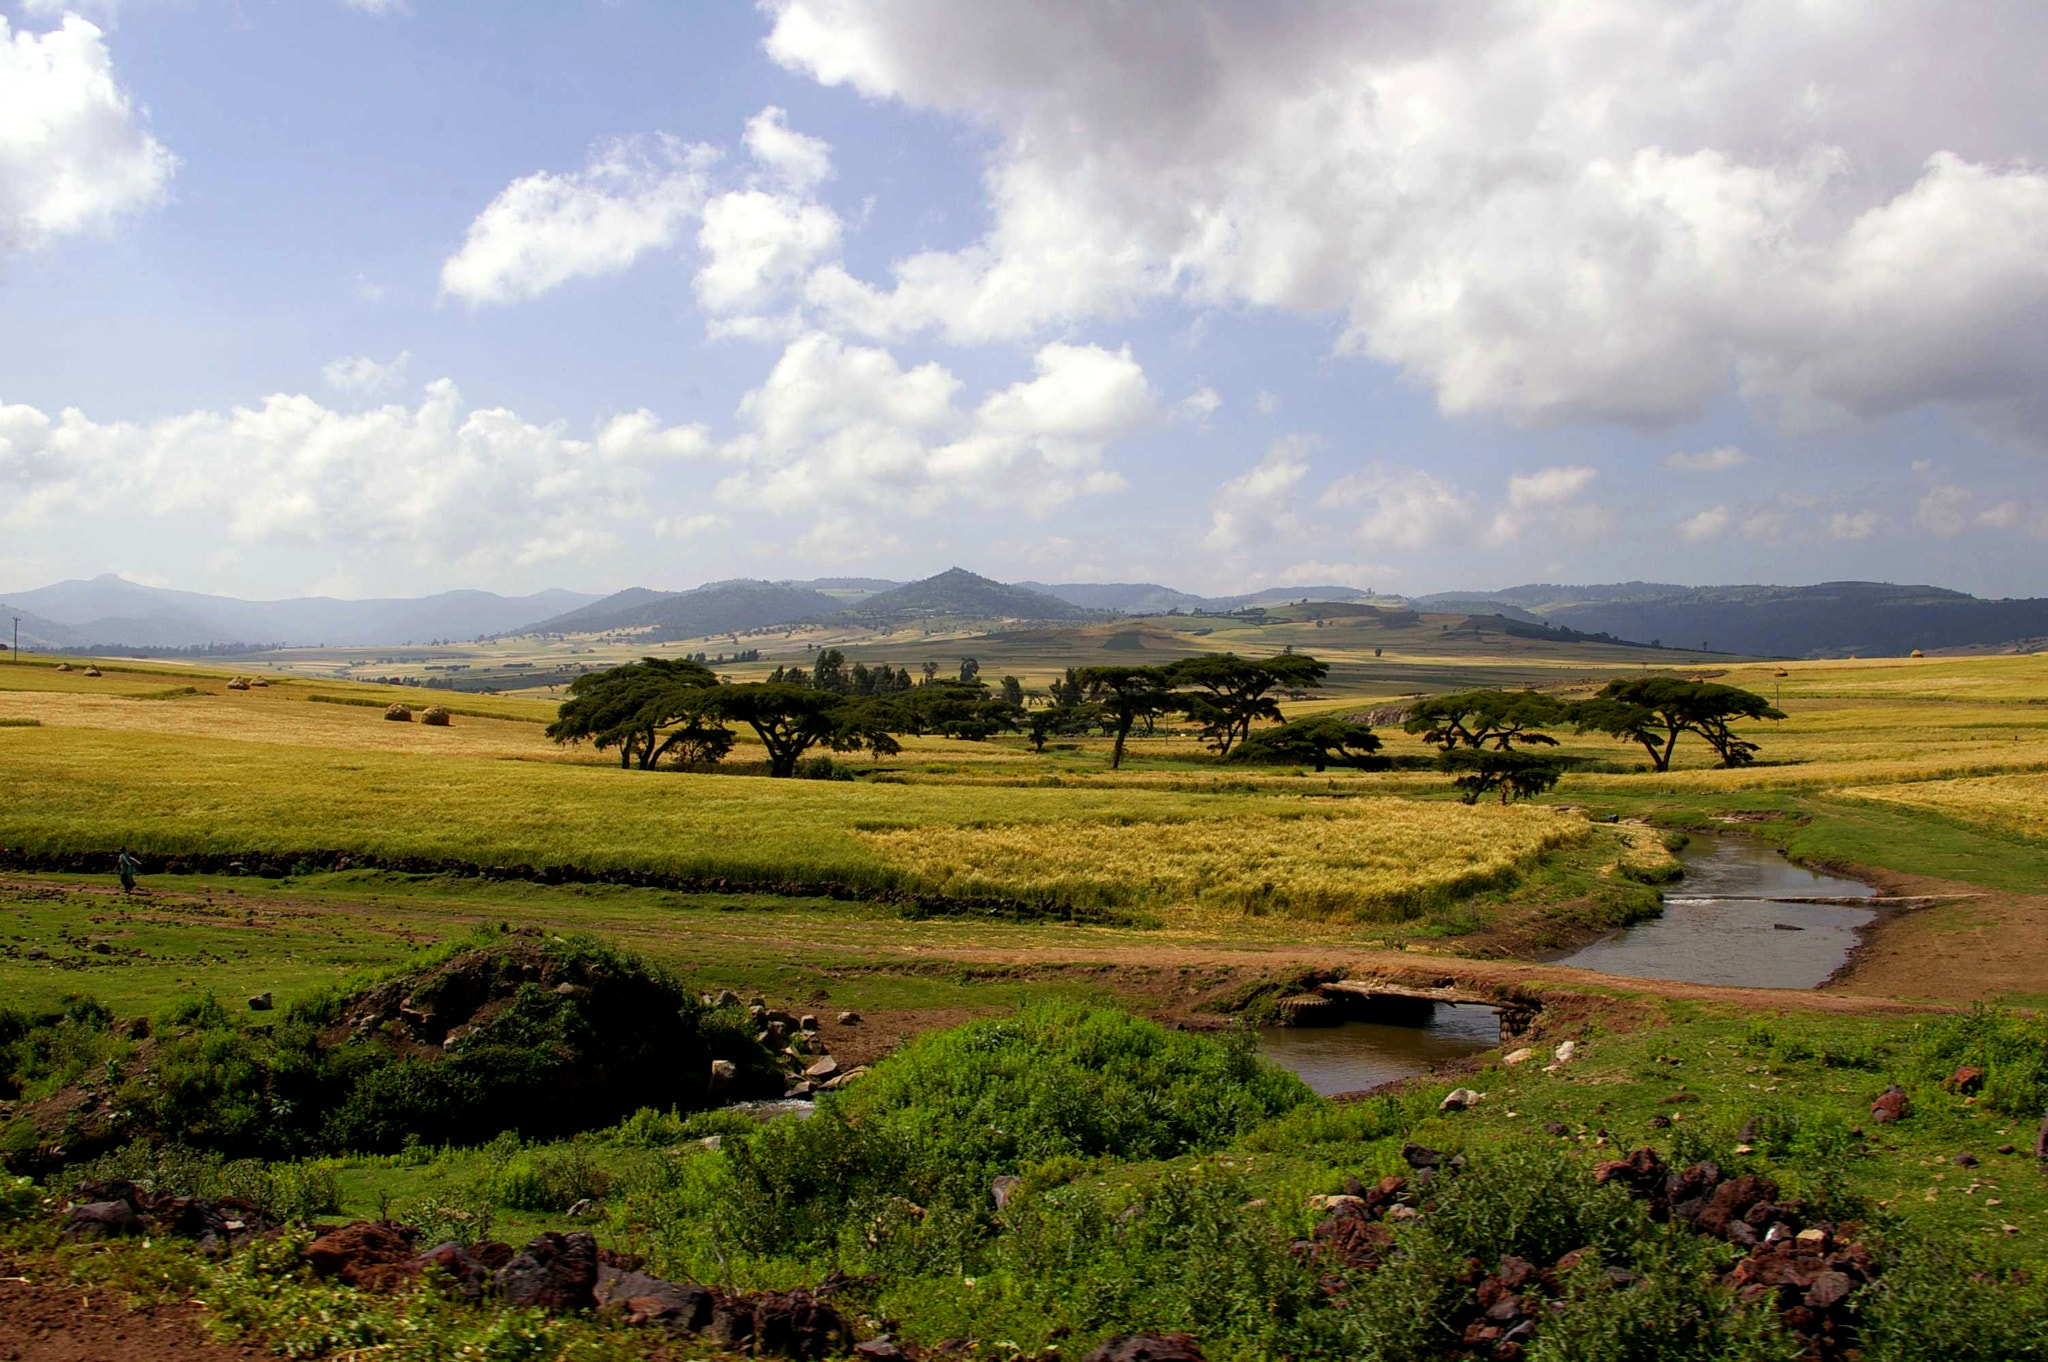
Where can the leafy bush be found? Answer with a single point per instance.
(551, 1179)
(2011, 1049)
(19, 1200)
(953, 1110)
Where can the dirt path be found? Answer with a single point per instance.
(1982, 945)
(44, 1319)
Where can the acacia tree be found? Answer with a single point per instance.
(1517, 775)
(1477, 718)
(1655, 710)
(1058, 721)
(1232, 692)
(630, 706)
(790, 720)
(1321, 742)
(1125, 695)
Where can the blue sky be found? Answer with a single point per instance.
(365, 297)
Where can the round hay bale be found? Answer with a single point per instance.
(63, 666)
(239, 683)
(259, 683)
(435, 715)
(1781, 672)
(1918, 653)
(398, 714)
(92, 671)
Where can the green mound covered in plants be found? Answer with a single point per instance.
(516, 1031)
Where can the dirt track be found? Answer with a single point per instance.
(43, 1319)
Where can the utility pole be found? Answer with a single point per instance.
(15, 656)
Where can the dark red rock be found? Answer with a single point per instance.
(1967, 1079)
(1891, 1106)
(468, 1276)
(369, 1255)
(646, 1299)
(1829, 1289)
(783, 1324)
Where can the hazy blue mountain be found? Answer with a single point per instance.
(110, 611)
(958, 592)
(714, 608)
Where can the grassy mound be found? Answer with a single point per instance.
(541, 1035)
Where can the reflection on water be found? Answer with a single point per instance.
(1355, 1055)
(1722, 925)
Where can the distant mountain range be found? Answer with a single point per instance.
(111, 612)
(1830, 619)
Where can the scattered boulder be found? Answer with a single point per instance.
(726, 998)
(1521, 1056)
(435, 716)
(464, 1270)
(723, 1072)
(799, 1324)
(259, 1002)
(1003, 1188)
(821, 1070)
(644, 1299)
(553, 1272)
(1420, 1155)
(849, 1019)
(1147, 1348)
(398, 714)
(1459, 1099)
(369, 1255)
(102, 1220)
(1966, 1079)
(1966, 1160)
(1891, 1106)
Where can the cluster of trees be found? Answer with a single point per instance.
(1489, 741)
(1485, 735)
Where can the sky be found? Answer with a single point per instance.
(388, 297)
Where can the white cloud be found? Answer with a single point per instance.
(1199, 405)
(756, 245)
(1549, 486)
(75, 154)
(1854, 525)
(1944, 511)
(541, 231)
(441, 485)
(1405, 508)
(1268, 403)
(380, 8)
(1255, 508)
(801, 162)
(1709, 524)
(1821, 205)
(106, 11)
(836, 420)
(362, 376)
(1719, 460)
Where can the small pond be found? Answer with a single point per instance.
(1735, 920)
(1355, 1055)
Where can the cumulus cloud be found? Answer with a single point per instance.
(1256, 507)
(1944, 511)
(635, 195)
(756, 244)
(1405, 508)
(1549, 496)
(1709, 524)
(1719, 460)
(362, 376)
(1854, 525)
(481, 488)
(837, 420)
(801, 162)
(1825, 207)
(75, 152)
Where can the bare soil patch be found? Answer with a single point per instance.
(44, 1319)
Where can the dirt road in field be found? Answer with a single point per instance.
(45, 1319)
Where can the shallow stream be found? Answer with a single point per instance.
(1735, 920)
(1355, 1055)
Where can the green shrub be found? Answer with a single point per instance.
(1940, 1299)
(2011, 1049)
(19, 1200)
(552, 1179)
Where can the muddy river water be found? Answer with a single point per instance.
(1735, 919)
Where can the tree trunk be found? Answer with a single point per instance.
(1116, 754)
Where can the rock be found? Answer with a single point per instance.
(137, 1028)
(463, 1269)
(1660, 1122)
(819, 1070)
(1968, 1078)
(804, 1088)
(712, 1142)
(368, 1255)
(807, 1022)
(797, 1324)
(553, 1272)
(880, 1348)
(1521, 1056)
(1554, 1128)
(1966, 1160)
(723, 1074)
(726, 998)
(1403, 1212)
(260, 1003)
(582, 1208)
(492, 1253)
(846, 1079)
(1459, 1099)
(1829, 1289)
(1420, 1156)
(1003, 1188)
(850, 1019)
(1891, 1106)
(1323, 1201)
(101, 1220)
(1565, 1052)
(1147, 1348)
(645, 1299)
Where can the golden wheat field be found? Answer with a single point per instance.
(2008, 803)
(1385, 858)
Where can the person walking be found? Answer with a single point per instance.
(126, 865)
